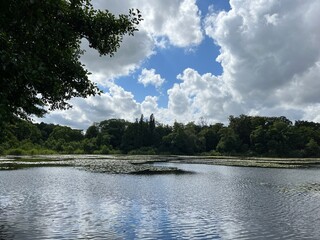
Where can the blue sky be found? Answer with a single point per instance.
(169, 63)
(195, 59)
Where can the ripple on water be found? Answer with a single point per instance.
(217, 203)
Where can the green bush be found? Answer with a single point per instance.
(1, 150)
(143, 151)
(68, 149)
(297, 154)
(78, 151)
(214, 153)
(15, 151)
(33, 151)
(115, 151)
(105, 150)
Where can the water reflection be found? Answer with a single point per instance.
(216, 203)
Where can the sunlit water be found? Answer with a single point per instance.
(215, 203)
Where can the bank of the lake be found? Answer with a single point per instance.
(142, 164)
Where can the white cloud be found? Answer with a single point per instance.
(149, 105)
(149, 77)
(200, 96)
(312, 112)
(116, 103)
(272, 19)
(178, 101)
(183, 26)
(270, 52)
(303, 88)
(178, 21)
(131, 54)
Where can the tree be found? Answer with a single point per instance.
(151, 129)
(92, 131)
(24, 130)
(160, 132)
(40, 52)
(312, 149)
(211, 136)
(243, 127)
(45, 129)
(259, 140)
(182, 140)
(229, 141)
(129, 138)
(278, 136)
(114, 129)
(66, 133)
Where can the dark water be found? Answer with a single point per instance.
(216, 203)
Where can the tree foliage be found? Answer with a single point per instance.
(245, 135)
(40, 52)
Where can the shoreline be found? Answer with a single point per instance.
(142, 164)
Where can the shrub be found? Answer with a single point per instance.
(214, 153)
(68, 149)
(33, 151)
(115, 151)
(15, 151)
(78, 151)
(105, 150)
(143, 151)
(1, 150)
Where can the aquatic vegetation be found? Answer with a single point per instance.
(142, 164)
(101, 163)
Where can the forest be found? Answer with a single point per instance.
(243, 136)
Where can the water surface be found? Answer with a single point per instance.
(217, 202)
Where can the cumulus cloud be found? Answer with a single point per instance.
(201, 96)
(269, 51)
(182, 25)
(166, 22)
(149, 77)
(175, 20)
(129, 57)
(116, 103)
(149, 105)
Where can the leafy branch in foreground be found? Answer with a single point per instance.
(40, 52)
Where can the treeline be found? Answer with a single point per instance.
(244, 135)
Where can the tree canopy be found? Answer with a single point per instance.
(40, 52)
(245, 136)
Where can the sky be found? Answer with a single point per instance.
(206, 59)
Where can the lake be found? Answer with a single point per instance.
(215, 202)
